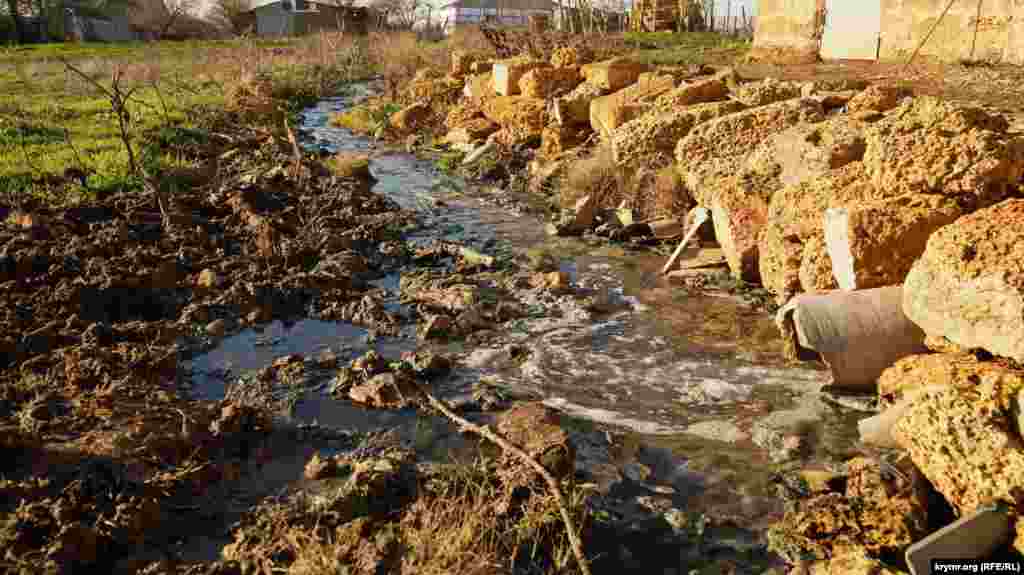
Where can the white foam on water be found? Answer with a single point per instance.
(611, 417)
(653, 386)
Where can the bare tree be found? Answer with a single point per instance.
(231, 14)
(159, 17)
(401, 14)
(175, 10)
(17, 10)
(345, 5)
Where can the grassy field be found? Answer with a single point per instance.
(670, 48)
(57, 124)
(54, 116)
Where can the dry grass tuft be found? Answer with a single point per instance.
(251, 95)
(400, 55)
(462, 519)
(453, 529)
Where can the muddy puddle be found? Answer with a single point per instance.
(688, 395)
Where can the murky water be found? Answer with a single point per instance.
(696, 385)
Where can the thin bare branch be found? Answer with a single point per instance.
(504, 444)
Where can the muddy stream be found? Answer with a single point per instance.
(679, 402)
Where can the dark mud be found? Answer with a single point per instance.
(167, 374)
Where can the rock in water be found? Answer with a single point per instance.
(534, 428)
(879, 513)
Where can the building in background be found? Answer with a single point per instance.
(519, 12)
(497, 12)
(299, 17)
(884, 29)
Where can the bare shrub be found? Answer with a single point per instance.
(463, 519)
(399, 55)
(471, 40)
(231, 15)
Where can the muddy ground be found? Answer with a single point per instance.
(112, 463)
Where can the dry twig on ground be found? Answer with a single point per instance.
(552, 483)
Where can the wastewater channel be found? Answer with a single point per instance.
(679, 400)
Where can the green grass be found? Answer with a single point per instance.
(52, 119)
(671, 48)
(74, 51)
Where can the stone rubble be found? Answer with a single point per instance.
(812, 187)
(547, 82)
(507, 73)
(611, 111)
(615, 74)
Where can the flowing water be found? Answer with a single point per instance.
(694, 389)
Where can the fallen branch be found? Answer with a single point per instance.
(504, 444)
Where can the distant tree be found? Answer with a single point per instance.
(16, 11)
(230, 14)
(175, 10)
(401, 14)
(160, 17)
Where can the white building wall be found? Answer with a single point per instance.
(469, 16)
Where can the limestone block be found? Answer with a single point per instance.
(611, 111)
(964, 443)
(874, 244)
(507, 74)
(517, 112)
(615, 74)
(928, 145)
(546, 82)
(574, 107)
(968, 285)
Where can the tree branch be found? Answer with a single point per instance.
(552, 483)
(118, 103)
